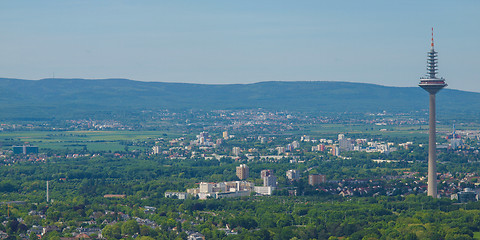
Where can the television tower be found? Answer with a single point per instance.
(48, 196)
(432, 84)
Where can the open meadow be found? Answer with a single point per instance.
(91, 140)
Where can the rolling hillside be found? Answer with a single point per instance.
(75, 98)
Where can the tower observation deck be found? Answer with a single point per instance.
(432, 84)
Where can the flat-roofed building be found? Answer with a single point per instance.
(25, 149)
(206, 187)
(178, 195)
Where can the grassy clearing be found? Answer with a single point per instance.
(92, 140)
(476, 235)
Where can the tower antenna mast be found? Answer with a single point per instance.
(432, 38)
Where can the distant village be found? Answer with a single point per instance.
(239, 137)
(270, 149)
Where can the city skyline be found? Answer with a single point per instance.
(219, 42)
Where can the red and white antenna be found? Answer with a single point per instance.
(432, 37)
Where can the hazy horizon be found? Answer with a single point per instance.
(219, 42)
(100, 79)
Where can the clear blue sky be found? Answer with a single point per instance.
(381, 42)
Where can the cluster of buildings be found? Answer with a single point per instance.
(216, 190)
(243, 188)
(210, 147)
(222, 189)
(97, 125)
(203, 139)
(467, 195)
(350, 187)
(348, 144)
(234, 188)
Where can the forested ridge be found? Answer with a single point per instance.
(49, 99)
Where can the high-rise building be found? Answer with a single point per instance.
(315, 179)
(156, 149)
(335, 150)
(225, 135)
(345, 144)
(280, 150)
(236, 151)
(321, 147)
(293, 174)
(203, 139)
(242, 171)
(266, 173)
(289, 147)
(270, 181)
(432, 84)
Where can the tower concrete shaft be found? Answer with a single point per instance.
(432, 150)
(432, 84)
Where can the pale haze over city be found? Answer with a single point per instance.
(222, 42)
(233, 120)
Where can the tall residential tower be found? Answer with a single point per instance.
(242, 171)
(432, 84)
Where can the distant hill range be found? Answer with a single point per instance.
(81, 98)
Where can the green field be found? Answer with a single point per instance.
(92, 140)
(117, 140)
